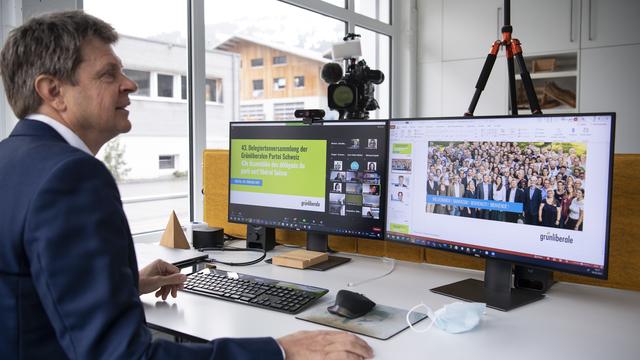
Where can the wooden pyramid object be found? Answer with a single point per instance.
(173, 236)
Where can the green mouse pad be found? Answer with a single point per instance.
(382, 322)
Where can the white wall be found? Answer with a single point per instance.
(447, 71)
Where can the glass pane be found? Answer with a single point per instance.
(183, 87)
(376, 9)
(210, 90)
(152, 39)
(165, 85)
(257, 62)
(376, 51)
(284, 47)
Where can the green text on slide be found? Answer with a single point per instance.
(287, 167)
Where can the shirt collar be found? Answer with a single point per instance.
(69, 136)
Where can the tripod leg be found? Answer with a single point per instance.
(512, 83)
(526, 78)
(484, 77)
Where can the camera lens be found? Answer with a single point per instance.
(343, 96)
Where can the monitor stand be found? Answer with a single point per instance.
(495, 290)
(320, 242)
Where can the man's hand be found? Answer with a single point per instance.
(325, 344)
(161, 276)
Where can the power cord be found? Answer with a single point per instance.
(232, 237)
(385, 260)
(246, 263)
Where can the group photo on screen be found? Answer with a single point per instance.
(534, 183)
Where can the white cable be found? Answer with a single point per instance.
(384, 260)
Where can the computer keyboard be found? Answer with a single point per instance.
(251, 290)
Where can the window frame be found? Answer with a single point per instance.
(276, 84)
(279, 57)
(168, 76)
(196, 71)
(257, 66)
(295, 84)
(167, 158)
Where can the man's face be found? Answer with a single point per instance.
(96, 103)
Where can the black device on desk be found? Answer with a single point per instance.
(323, 178)
(480, 217)
(252, 290)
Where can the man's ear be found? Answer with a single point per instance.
(49, 90)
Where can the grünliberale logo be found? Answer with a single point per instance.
(557, 238)
(310, 203)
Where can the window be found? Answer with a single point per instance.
(275, 31)
(153, 52)
(213, 88)
(257, 62)
(253, 112)
(183, 87)
(142, 78)
(258, 88)
(279, 60)
(167, 161)
(279, 83)
(165, 85)
(284, 111)
(298, 81)
(376, 51)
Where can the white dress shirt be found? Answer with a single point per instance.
(66, 133)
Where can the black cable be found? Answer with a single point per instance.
(232, 237)
(246, 263)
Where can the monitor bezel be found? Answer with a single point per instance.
(520, 260)
(383, 192)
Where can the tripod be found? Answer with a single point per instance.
(513, 49)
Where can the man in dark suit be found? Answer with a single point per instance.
(431, 190)
(514, 195)
(69, 282)
(470, 177)
(532, 200)
(484, 191)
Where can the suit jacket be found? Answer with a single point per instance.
(431, 190)
(480, 191)
(465, 181)
(519, 198)
(68, 272)
(532, 203)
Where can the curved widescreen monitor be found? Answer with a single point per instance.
(496, 187)
(322, 178)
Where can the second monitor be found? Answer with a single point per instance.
(325, 178)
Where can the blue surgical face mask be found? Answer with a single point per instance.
(453, 318)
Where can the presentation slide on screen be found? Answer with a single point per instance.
(532, 187)
(288, 174)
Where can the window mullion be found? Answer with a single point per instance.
(197, 107)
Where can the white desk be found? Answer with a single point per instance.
(572, 322)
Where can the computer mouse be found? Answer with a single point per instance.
(351, 305)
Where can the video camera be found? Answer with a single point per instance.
(352, 94)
